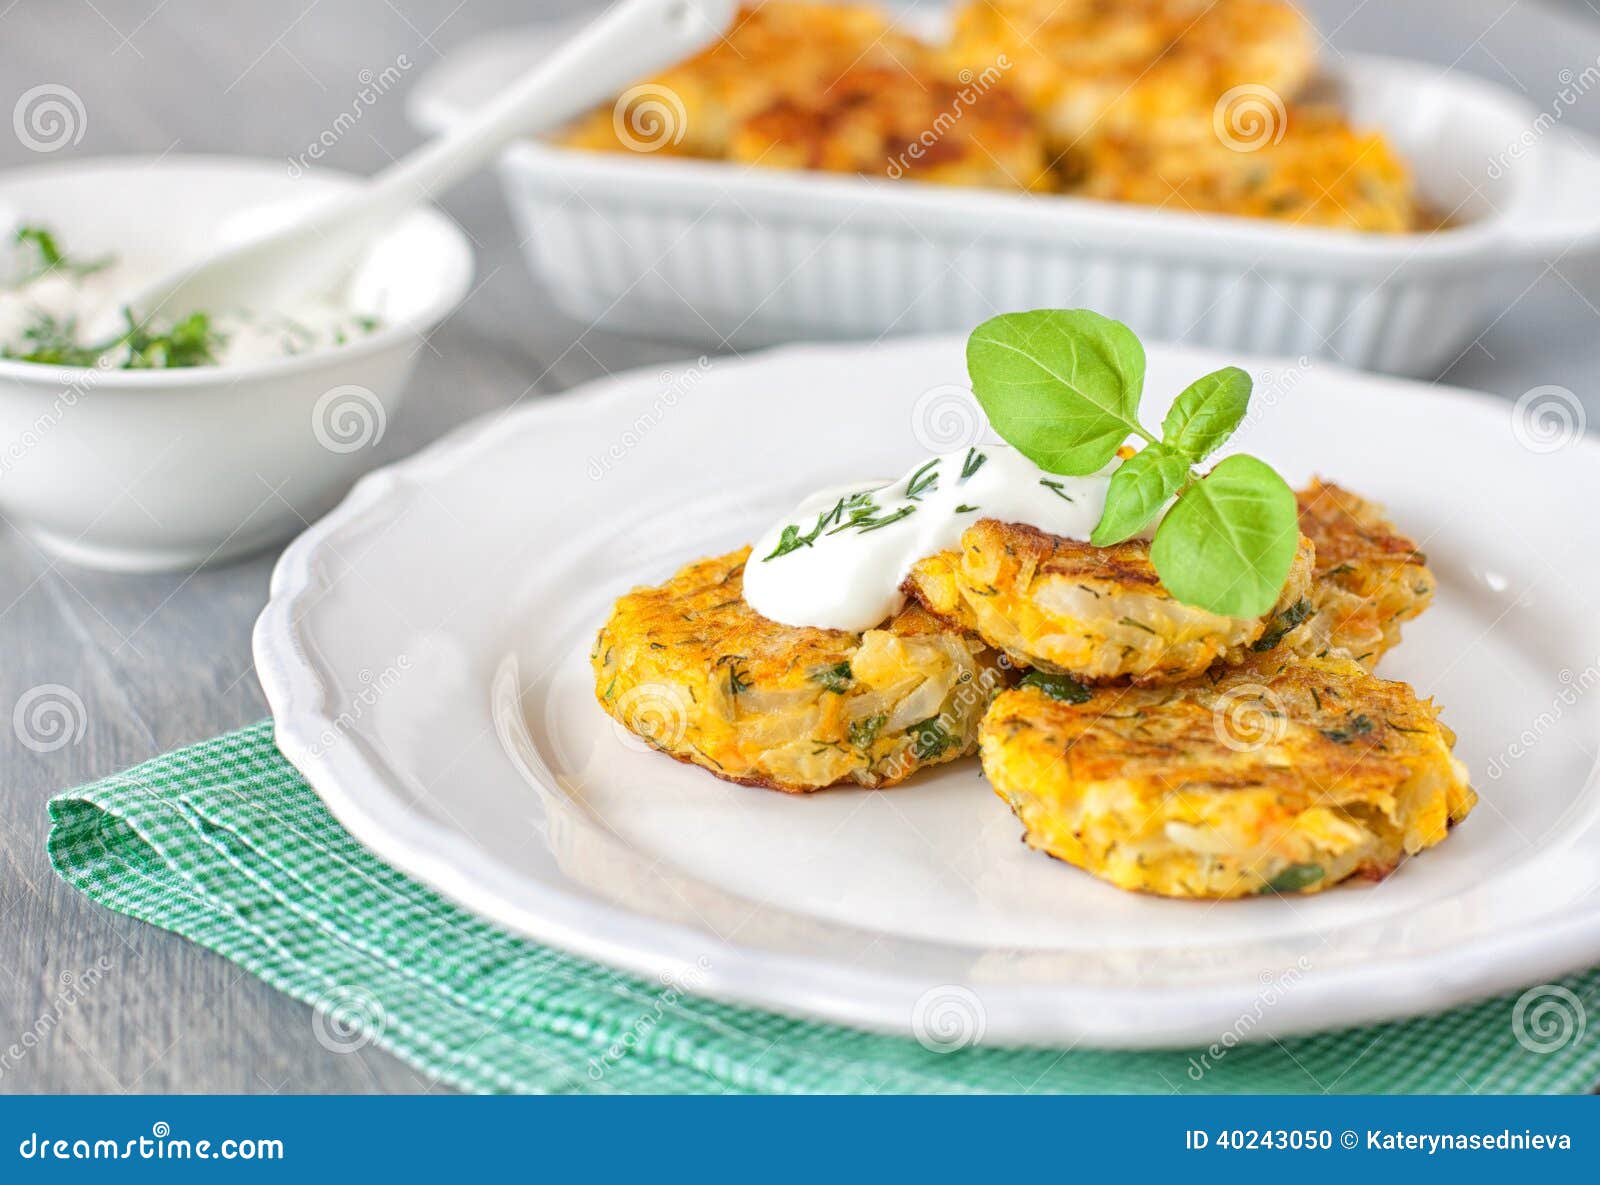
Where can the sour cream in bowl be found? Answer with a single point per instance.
(209, 433)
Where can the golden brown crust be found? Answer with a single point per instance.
(877, 120)
(688, 666)
(1305, 165)
(1151, 68)
(1369, 578)
(775, 51)
(1187, 104)
(1284, 772)
(1097, 613)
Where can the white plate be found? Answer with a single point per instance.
(425, 655)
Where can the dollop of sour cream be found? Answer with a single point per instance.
(838, 559)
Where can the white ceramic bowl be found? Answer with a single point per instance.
(143, 470)
(725, 255)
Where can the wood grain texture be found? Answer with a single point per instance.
(161, 661)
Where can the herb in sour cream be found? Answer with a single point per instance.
(46, 294)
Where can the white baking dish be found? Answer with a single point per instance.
(725, 256)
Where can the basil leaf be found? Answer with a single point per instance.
(1206, 413)
(1139, 488)
(1228, 543)
(1062, 386)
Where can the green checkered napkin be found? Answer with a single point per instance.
(225, 844)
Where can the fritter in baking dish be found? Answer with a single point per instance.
(1154, 69)
(689, 667)
(1097, 613)
(1284, 774)
(774, 51)
(1307, 166)
(890, 121)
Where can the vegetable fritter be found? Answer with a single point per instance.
(1302, 165)
(1369, 577)
(876, 120)
(1151, 68)
(689, 667)
(775, 51)
(1097, 613)
(1285, 774)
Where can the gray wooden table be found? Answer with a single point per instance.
(160, 661)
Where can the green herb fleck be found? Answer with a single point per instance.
(930, 738)
(836, 678)
(1061, 687)
(1358, 725)
(1294, 878)
(1282, 624)
(923, 480)
(865, 731)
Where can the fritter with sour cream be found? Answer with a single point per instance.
(1285, 774)
(689, 667)
(1097, 613)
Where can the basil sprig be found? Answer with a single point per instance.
(1063, 386)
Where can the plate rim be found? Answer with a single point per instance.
(359, 789)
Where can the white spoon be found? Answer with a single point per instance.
(309, 256)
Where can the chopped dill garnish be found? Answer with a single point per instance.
(865, 731)
(1355, 726)
(922, 481)
(930, 738)
(738, 680)
(49, 257)
(1282, 624)
(836, 678)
